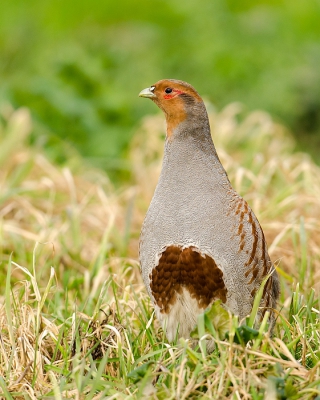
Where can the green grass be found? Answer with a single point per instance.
(76, 321)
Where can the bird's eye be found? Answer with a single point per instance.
(168, 90)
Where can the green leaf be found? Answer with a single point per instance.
(140, 372)
(216, 320)
(243, 334)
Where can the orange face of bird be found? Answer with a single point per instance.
(173, 97)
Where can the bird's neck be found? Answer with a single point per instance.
(190, 136)
(190, 154)
(189, 121)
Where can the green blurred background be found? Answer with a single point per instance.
(79, 65)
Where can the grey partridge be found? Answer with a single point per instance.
(200, 241)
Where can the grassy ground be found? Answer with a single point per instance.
(75, 319)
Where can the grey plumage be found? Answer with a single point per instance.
(194, 205)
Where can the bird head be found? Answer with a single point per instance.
(178, 100)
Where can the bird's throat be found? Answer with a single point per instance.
(174, 120)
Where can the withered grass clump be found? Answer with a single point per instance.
(75, 320)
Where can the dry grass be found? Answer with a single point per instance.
(75, 319)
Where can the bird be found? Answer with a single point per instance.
(200, 241)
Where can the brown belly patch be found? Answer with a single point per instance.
(187, 268)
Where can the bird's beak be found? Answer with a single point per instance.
(148, 93)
